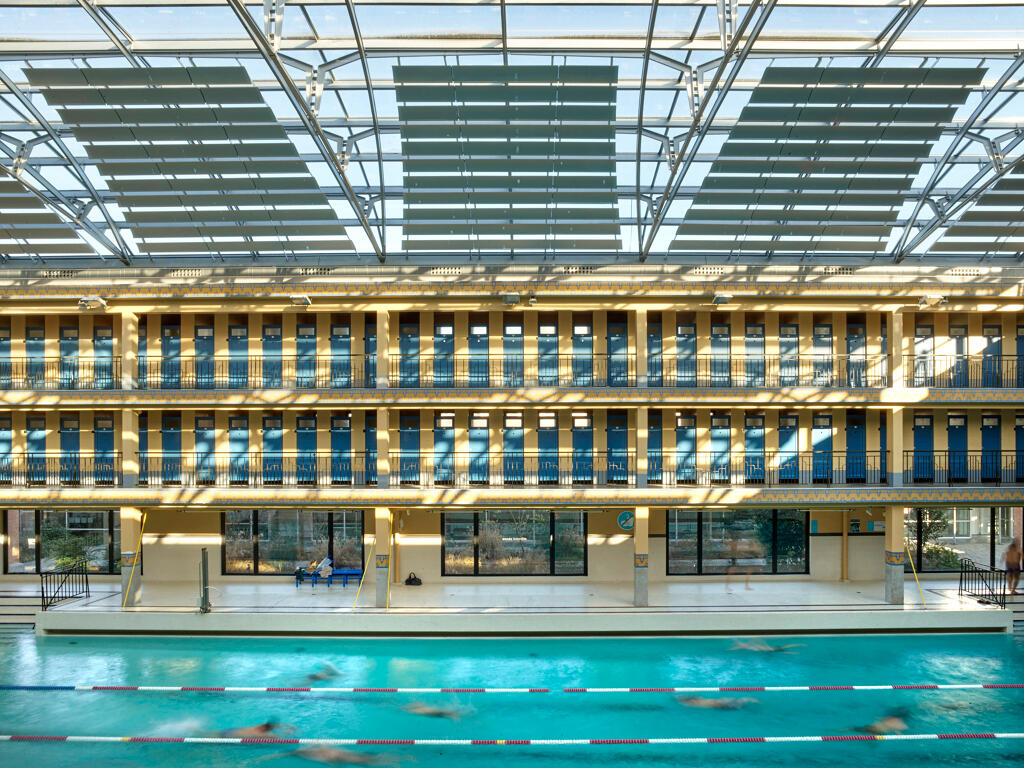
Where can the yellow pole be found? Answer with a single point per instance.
(138, 554)
(360, 589)
(906, 546)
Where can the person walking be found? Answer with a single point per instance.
(1013, 562)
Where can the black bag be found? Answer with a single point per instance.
(413, 580)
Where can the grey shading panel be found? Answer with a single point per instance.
(509, 158)
(994, 225)
(29, 229)
(821, 160)
(196, 160)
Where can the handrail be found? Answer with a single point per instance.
(955, 467)
(963, 371)
(79, 469)
(65, 583)
(982, 582)
(60, 373)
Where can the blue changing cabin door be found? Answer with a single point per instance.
(956, 437)
(686, 355)
(273, 446)
(547, 449)
(35, 444)
(205, 457)
(170, 449)
(444, 448)
(655, 460)
(856, 356)
(618, 355)
(103, 357)
(856, 447)
(991, 357)
(789, 355)
(479, 345)
(409, 448)
(512, 353)
(69, 357)
(238, 356)
(754, 355)
(35, 351)
(444, 352)
(238, 447)
(582, 353)
(991, 448)
(341, 356)
(547, 354)
(170, 355)
(789, 448)
(821, 448)
(721, 355)
(821, 346)
(305, 449)
(341, 448)
(305, 356)
(686, 448)
(6, 443)
(721, 447)
(654, 355)
(618, 448)
(409, 355)
(924, 450)
(479, 448)
(205, 363)
(512, 444)
(5, 358)
(70, 451)
(104, 468)
(271, 353)
(753, 446)
(582, 448)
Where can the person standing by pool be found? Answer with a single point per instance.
(1012, 556)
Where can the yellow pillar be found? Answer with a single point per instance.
(531, 325)
(896, 434)
(894, 555)
(641, 446)
(640, 345)
(289, 348)
(382, 557)
(383, 357)
(383, 446)
(898, 346)
(131, 551)
(641, 523)
(128, 343)
(668, 346)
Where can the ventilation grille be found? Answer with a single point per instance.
(189, 273)
(446, 270)
(835, 270)
(58, 273)
(709, 270)
(313, 271)
(966, 271)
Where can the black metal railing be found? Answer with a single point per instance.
(767, 468)
(502, 469)
(64, 583)
(61, 469)
(982, 583)
(963, 371)
(963, 467)
(70, 373)
(257, 372)
(771, 372)
(256, 469)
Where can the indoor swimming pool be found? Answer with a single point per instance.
(549, 665)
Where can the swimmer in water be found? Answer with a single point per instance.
(763, 647)
(450, 713)
(335, 756)
(727, 703)
(327, 672)
(263, 730)
(884, 725)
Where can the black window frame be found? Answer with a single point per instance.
(551, 548)
(917, 554)
(113, 558)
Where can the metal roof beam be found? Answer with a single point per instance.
(640, 131)
(904, 18)
(102, 20)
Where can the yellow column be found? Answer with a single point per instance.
(641, 522)
(188, 441)
(1009, 349)
(86, 422)
(220, 350)
(530, 347)
(129, 447)
(900, 346)
(737, 441)
(640, 346)
(894, 555)
(771, 349)
(383, 355)
(131, 542)
(565, 443)
(896, 434)
(703, 440)
(600, 331)
(427, 441)
(382, 557)
(844, 564)
(805, 345)
(426, 353)
(128, 345)
(495, 345)
(873, 345)
(668, 346)
(640, 416)
(357, 323)
(188, 344)
(323, 352)
(289, 349)
(383, 446)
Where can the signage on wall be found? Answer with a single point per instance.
(626, 520)
(854, 525)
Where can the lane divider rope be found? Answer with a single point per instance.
(669, 689)
(506, 742)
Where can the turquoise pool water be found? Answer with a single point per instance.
(545, 663)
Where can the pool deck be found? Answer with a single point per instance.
(536, 609)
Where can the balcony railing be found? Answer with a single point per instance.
(36, 373)
(767, 468)
(256, 470)
(963, 467)
(78, 469)
(964, 371)
(257, 372)
(772, 372)
(428, 370)
(501, 469)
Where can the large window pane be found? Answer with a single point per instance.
(348, 539)
(570, 544)
(21, 541)
(682, 541)
(514, 542)
(458, 544)
(740, 539)
(289, 539)
(68, 536)
(1004, 533)
(791, 541)
(910, 534)
(239, 555)
(937, 529)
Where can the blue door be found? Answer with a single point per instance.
(654, 448)
(305, 449)
(5, 358)
(205, 370)
(341, 356)
(143, 448)
(582, 448)
(721, 356)
(821, 348)
(444, 352)
(70, 451)
(924, 356)
(444, 448)
(104, 470)
(821, 448)
(271, 354)
(35, 357)
(206, 445)
(479, 449)
(35, 444)
(238, 356)
(68, 357)
(654, 353)
(753, 447)
(370, 356)
(6, 442)
(479, 372)
(956, 436)
(754, 351)
(238, 448)
(959, 366)
(856, 356)
(991, 357)
(686, 355)
(547, 449)
(1019, 369)
(408, 355)
(512, 441)
(273, 446)
(547, 354)
(170, 355)
(305, 356)
(341, 448)
(686, 448)
(370, 448)
(721, 448)
(618, 355)
(924, 447)
(618, 448)
(789, 355)
(170, 449)
(991, 449)
(103, 357)
(512, 353)
(408, 448)
(789, 448)
(1018, 434)
(582, 353)
(856, 447)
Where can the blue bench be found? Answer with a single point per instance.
(345, 574)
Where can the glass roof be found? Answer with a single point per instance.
(533, 131)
